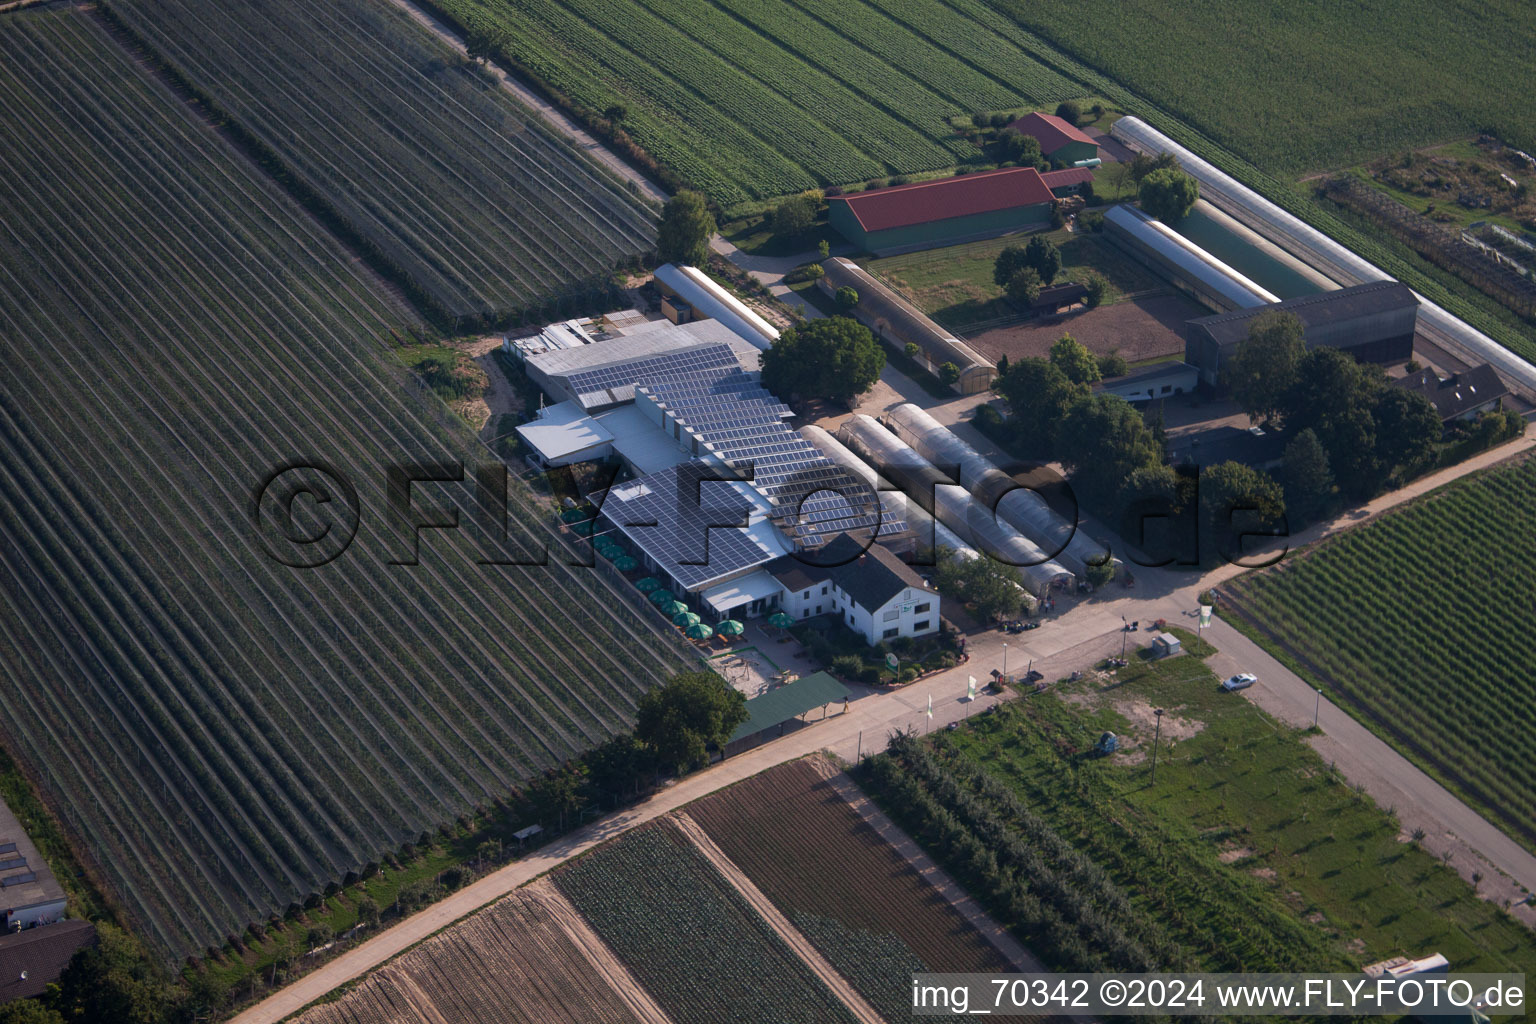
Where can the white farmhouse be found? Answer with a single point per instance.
(873, 592)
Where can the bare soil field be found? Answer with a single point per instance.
(528, 958)
(855, 897)
(1138, 329)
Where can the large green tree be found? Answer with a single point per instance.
(994, 588)
(1235, 500)
(1262, 371)
(1143, 164)
(1039, 396)
(1336, 397)
(1024, 286)
(1009, 262)
(1042, 254)
(1073, 359)
(1307, 477)
(794, 216)
(1407, 429)
(114, 981)
(831, 357)
(685, 716)
(686, 228)
(1168, 194)
(1102, 440)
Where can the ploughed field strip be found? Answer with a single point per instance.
(1421, 620)
(223, 734)
(687, 935)
(873, 917)
(513, 963)
(440, 173)
(750, 99)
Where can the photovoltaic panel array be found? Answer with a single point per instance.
(737, 420)
(615, 383)
(689, 520)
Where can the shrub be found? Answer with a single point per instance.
(847, 297)
(805, 272)
(848, 666)
(900, 179)
(1112, 365)
(1091, 220)
(1069, 112)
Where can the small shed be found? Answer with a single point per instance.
(1166, 645)
(1055, 296)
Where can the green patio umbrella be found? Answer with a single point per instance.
(583, 528)
(730, 627)
(685, 619)
(648, 584)
(661, 596)
(626, 563)
(612, 552)
(673, 608)
(575, 515)
(781, 620)
(698, 631)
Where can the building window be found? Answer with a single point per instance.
(921, 608)
(850, 618)
(1167, 388)
(806, 594)
(823, 590)
(894, 613)
(920, 626)
(805, 614)
(818, 609)
(889, 634)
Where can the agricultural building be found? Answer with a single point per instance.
(1373, 322)
(29, 893)
(996, 495)
(1461, 396)
(1323, 253)
(868, 588)
(599, 375)
(1160, 380)
(1067, 181)
(1061, 142)
(31, 960)
(1055, 297)
(1187, 266)
(897, 322)
(692, 294)
(951, 504)
(562, 435)
(769, 713)
(748, 490)
(927, 214)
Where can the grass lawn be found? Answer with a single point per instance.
(1245, 820)
(753, 236)
(954, 284)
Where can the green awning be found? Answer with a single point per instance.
(785, 702)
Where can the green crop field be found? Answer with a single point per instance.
(873, 917)
(444, 179)
(1420, 625)
(221, 734)
(1247, 849)
(689, 937)
(749, 99)
(1340, 83)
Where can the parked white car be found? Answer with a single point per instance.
(1241, 681)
